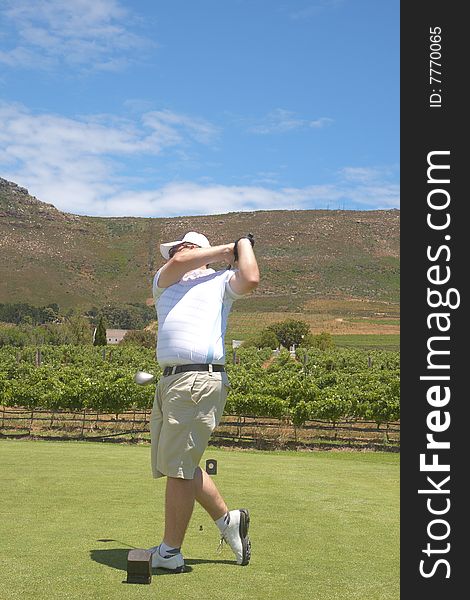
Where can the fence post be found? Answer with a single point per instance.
(83, 423)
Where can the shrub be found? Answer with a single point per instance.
(290, 332)
(139, 337)
(322, 341)
(266, 338)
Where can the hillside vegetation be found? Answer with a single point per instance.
(348, 258)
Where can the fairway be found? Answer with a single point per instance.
(324, 525)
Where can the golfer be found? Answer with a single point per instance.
(192, 302)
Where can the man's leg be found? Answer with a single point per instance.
(233, 525)
(179, 505)
(208, 496)
(181, 493)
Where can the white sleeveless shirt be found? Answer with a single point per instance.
(192, 317)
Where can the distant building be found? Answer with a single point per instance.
(114, 336)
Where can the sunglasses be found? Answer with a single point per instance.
(174, 249)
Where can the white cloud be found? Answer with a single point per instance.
(92, 34)
(378, 196)
(282, 121)
(188, 198)
(75, 162)
(81, 166)
(365, 174)
(319, 123)
(166, 123)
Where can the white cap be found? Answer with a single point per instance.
(192, 237)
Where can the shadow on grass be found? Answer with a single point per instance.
(204, 561)
(116, 558)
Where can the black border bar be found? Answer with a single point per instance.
(434, 251)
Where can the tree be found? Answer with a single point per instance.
(27, 320)
(139, 337)
(100, 334)
(266, 338)
(129, 316)
(49, 315)
(13, 336)
(22, 313)
(322, 341)
(290, 332)
(77, 330)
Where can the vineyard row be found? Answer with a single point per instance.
(331, 385)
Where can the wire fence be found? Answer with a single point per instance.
(236, 430)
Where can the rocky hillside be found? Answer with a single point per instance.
(51, 256)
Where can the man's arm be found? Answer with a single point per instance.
(189, 259)
(246, 279)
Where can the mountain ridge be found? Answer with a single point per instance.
(82, 261)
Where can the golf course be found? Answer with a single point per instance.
(324, 525)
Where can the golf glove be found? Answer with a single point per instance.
(250, 237)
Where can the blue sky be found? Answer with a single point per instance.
(185, 107)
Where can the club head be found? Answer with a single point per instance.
(143, 378)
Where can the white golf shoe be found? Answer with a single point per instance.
(236, 535)
(173, 563)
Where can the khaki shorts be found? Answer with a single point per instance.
(187, 409)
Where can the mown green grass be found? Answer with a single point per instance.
(368, 341)
(368, 321)
(243, 325)
(324, 524)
